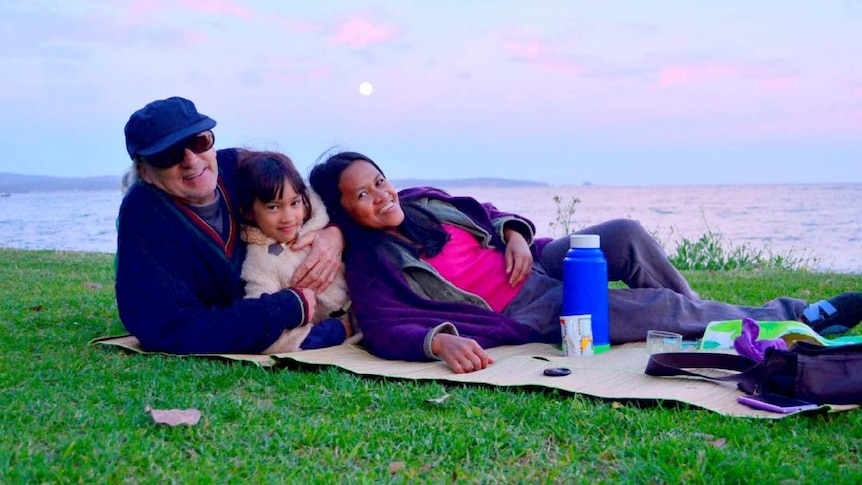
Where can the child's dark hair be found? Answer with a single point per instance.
(260, 175)
(419, 224)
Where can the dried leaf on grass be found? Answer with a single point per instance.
(93, 286)
(174, 417)
(711, 440)
(719, 443)
(438, 400)
(396, 466)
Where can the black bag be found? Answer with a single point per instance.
(810, 372)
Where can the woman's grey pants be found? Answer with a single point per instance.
(658, 298)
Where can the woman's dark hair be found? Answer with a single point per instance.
(420, 225)
(260, 175)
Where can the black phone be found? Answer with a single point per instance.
(776, 403)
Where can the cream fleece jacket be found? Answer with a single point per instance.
(266, 271)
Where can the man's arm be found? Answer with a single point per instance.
(177, 293)
(321, 266)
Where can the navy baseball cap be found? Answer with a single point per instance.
(162, 124)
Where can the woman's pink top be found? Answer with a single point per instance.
(469, 266)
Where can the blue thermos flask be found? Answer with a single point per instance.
(585, 287)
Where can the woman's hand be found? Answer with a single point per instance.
(461, 354)
(348, 327)
(311, 300)
(519, 259)
(321, 266)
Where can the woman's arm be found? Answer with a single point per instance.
(397, 322)
(519, 259)
(461, 354)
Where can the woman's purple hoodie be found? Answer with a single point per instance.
(397, 322)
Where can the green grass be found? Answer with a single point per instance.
(75, 414)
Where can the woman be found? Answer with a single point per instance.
(436, 276)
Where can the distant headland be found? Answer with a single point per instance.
(16, 183)
(467, 182)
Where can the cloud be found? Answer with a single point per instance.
(541, 54)
(47, 35)
(209, 7)
(274, 73)
(525, 50)
(640, 30)
(301, 26)
(146, 7)
(218, 7)
(768, 75)
(676, 75)
(358, 33)
(779, 83)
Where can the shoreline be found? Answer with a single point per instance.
(817, 225)
(809, 271)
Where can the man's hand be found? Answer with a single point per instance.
(461, 354)
(323, 262)
(519, 259)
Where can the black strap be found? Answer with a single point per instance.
(674, 364)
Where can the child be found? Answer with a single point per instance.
(276, 208)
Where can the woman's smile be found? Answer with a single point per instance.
(387, 206)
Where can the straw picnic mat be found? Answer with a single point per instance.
(615, 375)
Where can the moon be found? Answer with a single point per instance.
(366, 88)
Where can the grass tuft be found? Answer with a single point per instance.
(565, 215)
(712, 252)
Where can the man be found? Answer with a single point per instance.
(179, 253)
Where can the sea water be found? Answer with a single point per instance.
(820, 222)
(76, 221)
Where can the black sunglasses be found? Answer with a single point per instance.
(174, 154)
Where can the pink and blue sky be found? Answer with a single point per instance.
(618, 92)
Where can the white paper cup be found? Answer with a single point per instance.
(577, 335)
(659, 341)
